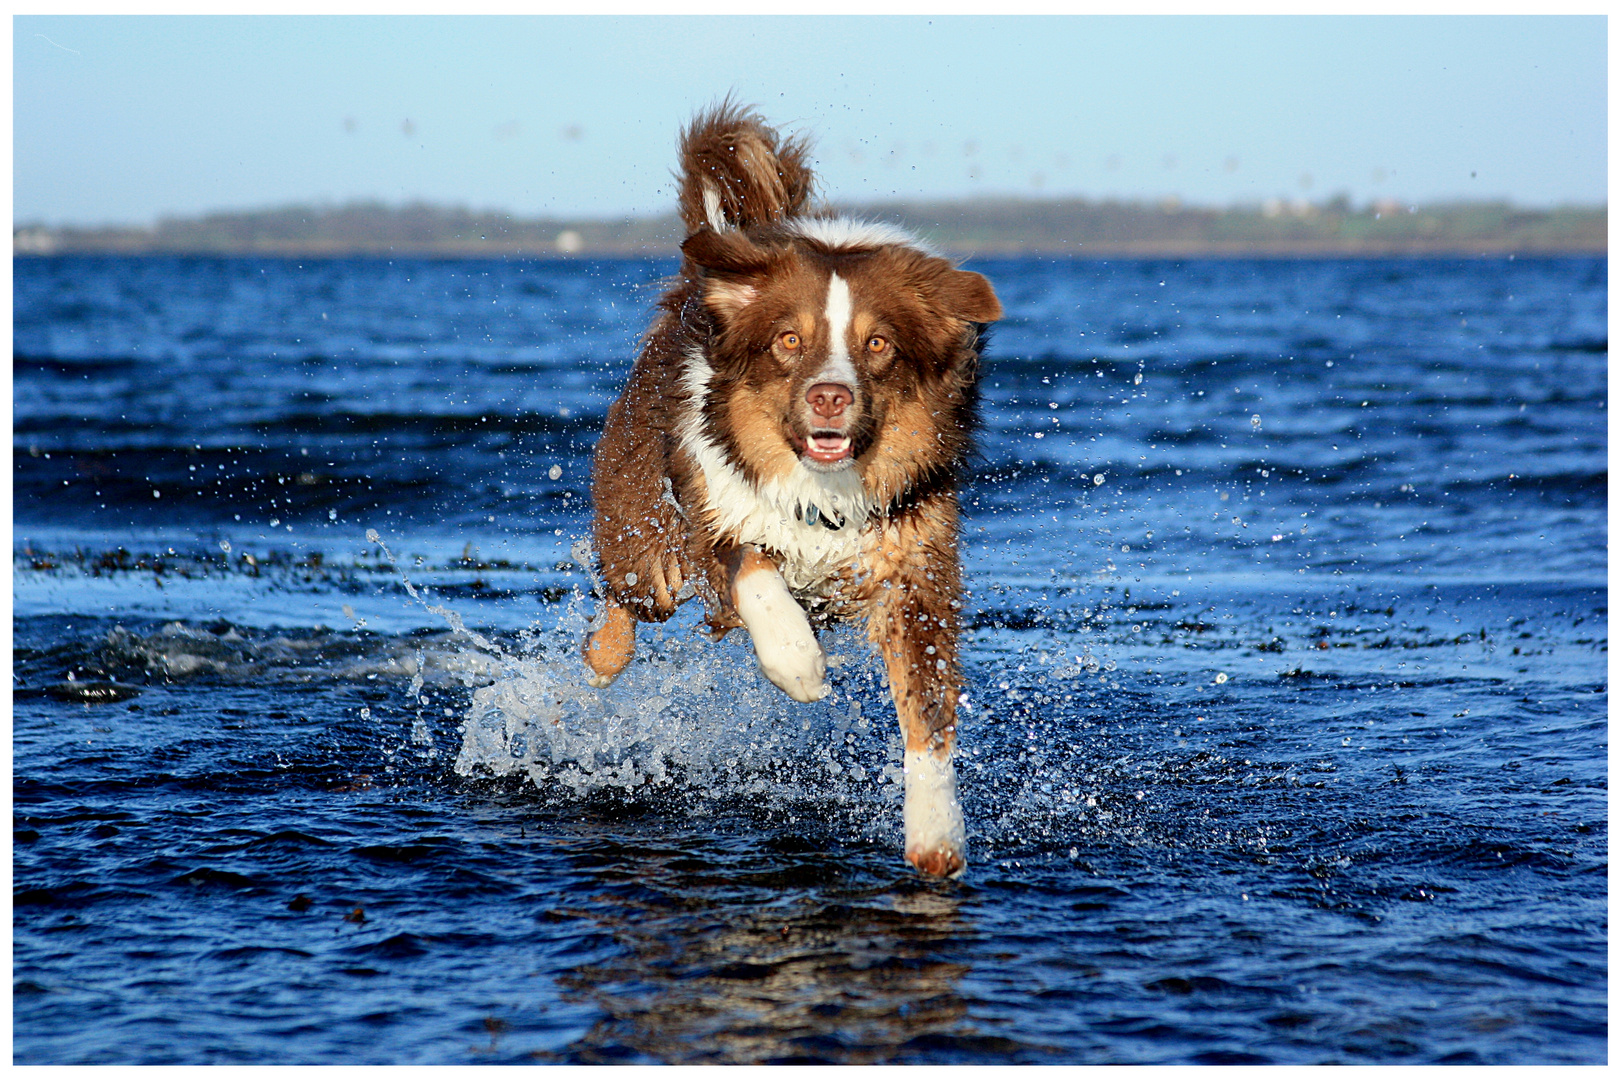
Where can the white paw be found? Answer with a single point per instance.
(787, 649)
(936, 838)
(599, 681)
(802, 677)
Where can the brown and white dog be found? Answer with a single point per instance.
(789, 444)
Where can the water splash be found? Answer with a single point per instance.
(691, 728)
(689, 724)
(450, 616)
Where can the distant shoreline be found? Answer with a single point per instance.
(1090, 254)
(1059, 228)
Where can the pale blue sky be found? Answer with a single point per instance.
(124, 119)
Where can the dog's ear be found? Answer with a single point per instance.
(731, 263)
(969, 297)
(729, 252)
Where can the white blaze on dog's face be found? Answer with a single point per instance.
(824, 355)
(833, 387)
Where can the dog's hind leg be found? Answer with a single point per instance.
(787, 649)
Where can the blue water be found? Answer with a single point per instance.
(1287, 733)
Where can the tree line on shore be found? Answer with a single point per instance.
(1076, 227)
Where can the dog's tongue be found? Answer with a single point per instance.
(828, 448)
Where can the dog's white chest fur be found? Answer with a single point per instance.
(787, 516)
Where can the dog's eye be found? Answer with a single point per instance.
(876, 344)
(789, 341)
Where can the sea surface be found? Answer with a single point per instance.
(1287, 737)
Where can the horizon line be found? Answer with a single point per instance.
(1272, 205)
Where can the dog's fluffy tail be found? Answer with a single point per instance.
(736, 171)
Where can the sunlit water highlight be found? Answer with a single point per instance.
(1287, 679)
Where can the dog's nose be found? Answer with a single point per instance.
(829, 400)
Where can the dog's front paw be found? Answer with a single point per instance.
(788, 652)
(936, 837)
(938, 861)
(796, 665)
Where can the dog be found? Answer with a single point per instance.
(789, 445)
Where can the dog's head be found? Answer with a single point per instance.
(838, 346)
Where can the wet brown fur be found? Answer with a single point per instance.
(760, 176)
(910, 423)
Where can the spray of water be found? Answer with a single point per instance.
(692, 727)
(691, 723)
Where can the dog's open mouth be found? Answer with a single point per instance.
(827, 447)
